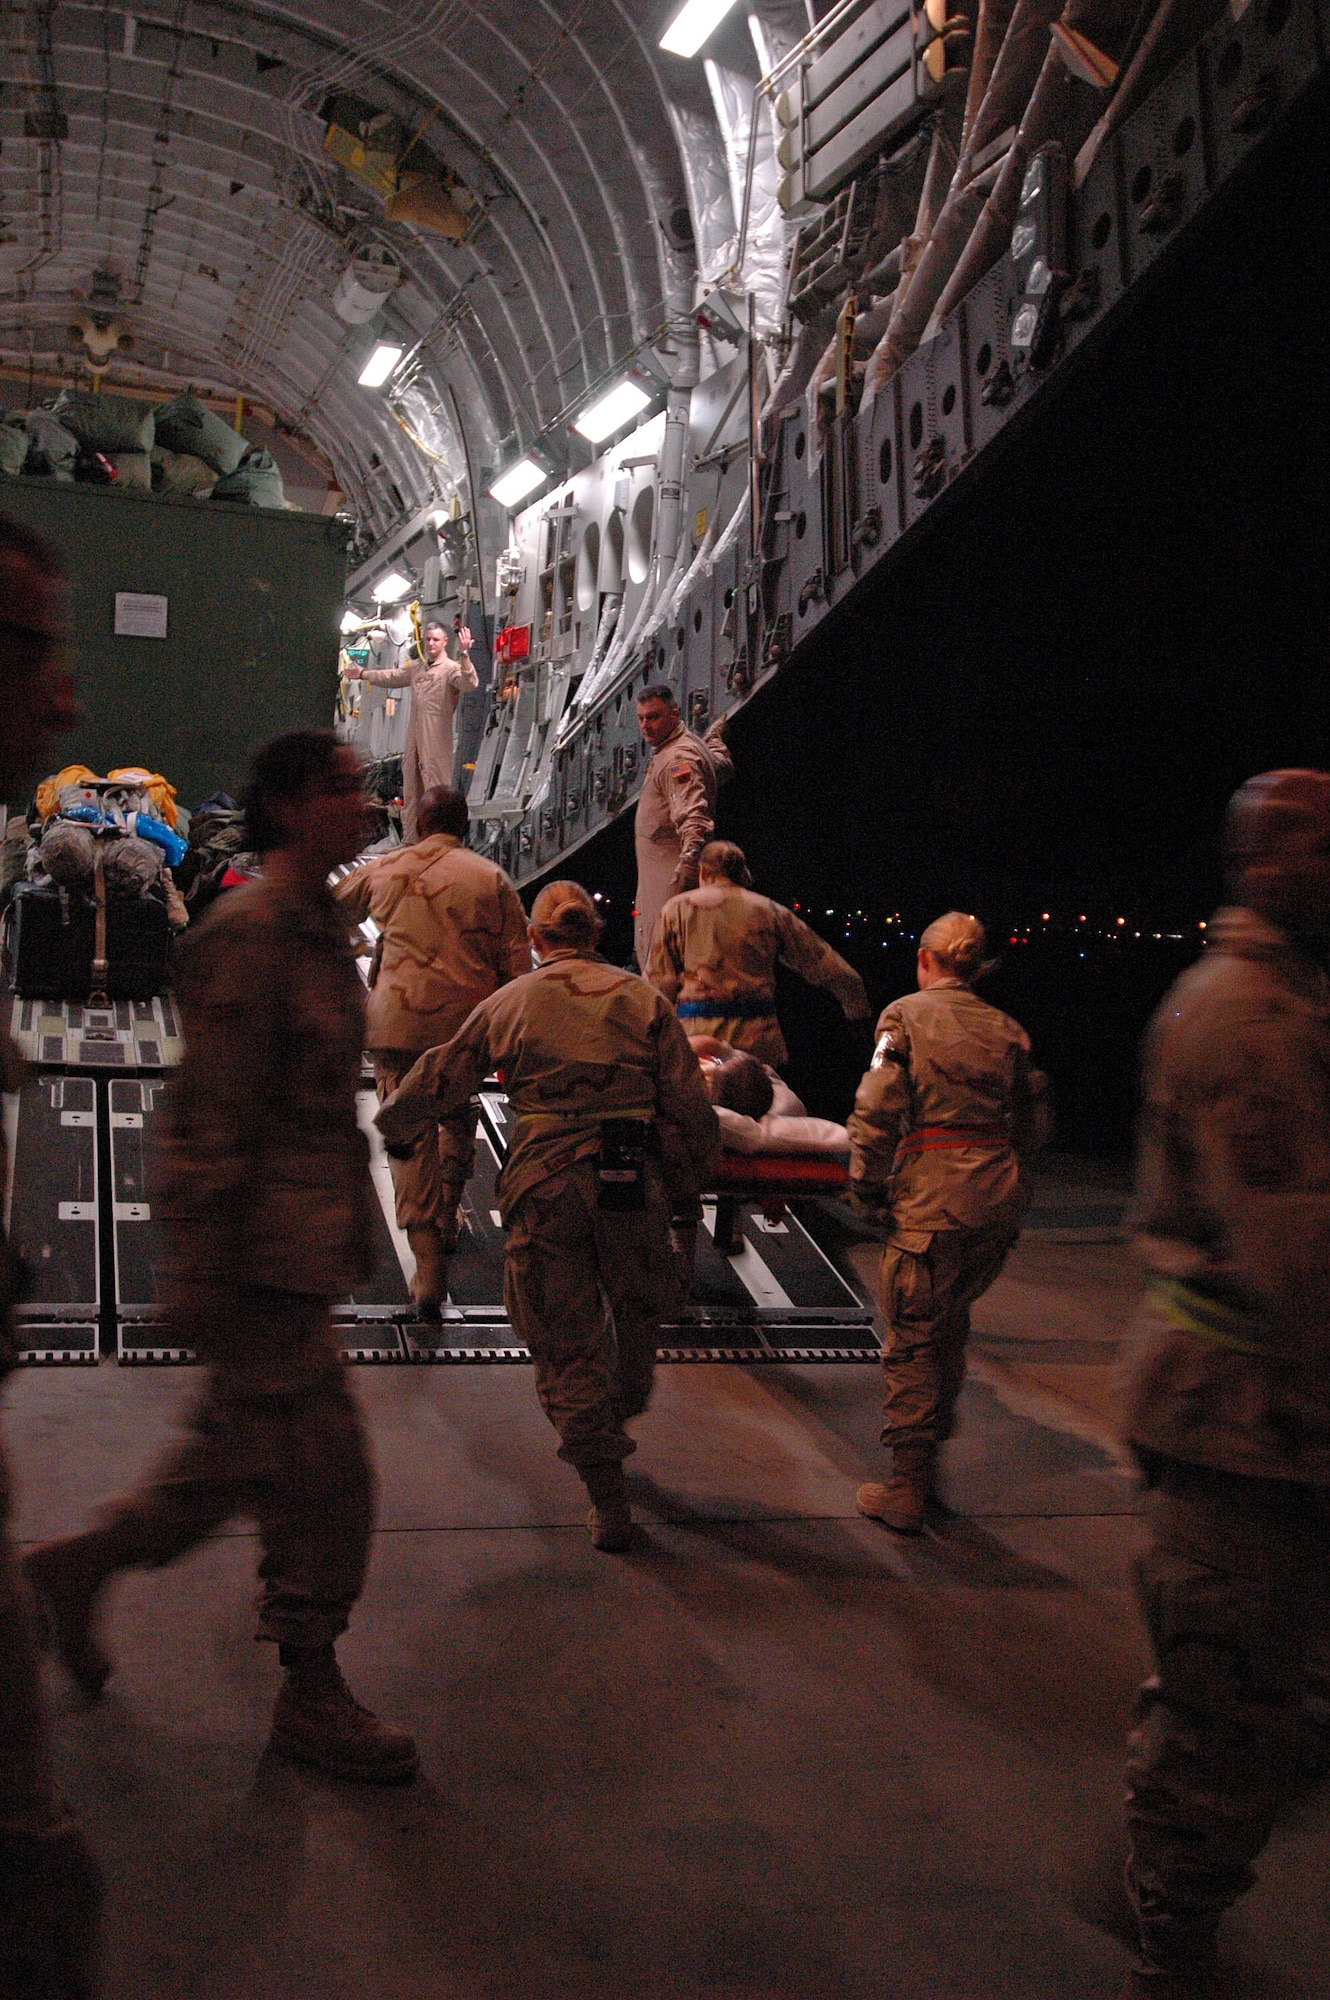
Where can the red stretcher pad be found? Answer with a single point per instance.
(776, 1176)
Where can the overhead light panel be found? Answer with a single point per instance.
(690, 27)
(610, 412)
(516, 481)
(389, 588)
(380, 365)
(354, 621)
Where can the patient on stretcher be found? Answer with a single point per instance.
(757, 1111)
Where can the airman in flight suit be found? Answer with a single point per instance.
(437, 684)
(715, 954)
(938, 1127)
(676, 809)
(610, 1119)
(451, 932)
(1226, 1374)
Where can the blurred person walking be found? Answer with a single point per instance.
(265, 1192)
(1226, 1375)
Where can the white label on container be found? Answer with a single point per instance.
(138, 615)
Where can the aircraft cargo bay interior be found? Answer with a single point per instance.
(663, 946)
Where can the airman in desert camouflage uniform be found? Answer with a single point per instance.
(451, 931)
(609, 1108)
(715, 954)
(938, 1127)
(676, 812)
(1226, 1378)
(265, 1192)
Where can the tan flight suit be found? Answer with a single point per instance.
(579, 1041)
(49, 1886)
(935, 1134)
(263, 1186)
(451, 932)
(427, 756)
(715, 954)
(675, 820)
(1226, 1378)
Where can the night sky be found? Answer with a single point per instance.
(1043, 701)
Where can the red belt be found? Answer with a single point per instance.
(932, 1138)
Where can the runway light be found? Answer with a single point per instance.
(380, 365)
(1045, 916)
(1121, 922)
(514, 484)
(389, 588)
(610, 412)
(691, 26)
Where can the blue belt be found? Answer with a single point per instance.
(720, 1009)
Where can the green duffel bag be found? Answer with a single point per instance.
(133, 470)
(256, 482)
(51, 448)
(13, 445)
(181, 472)
(106, 423)
(186, 424)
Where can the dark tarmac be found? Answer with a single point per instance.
(775, 1753)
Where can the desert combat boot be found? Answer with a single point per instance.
(610, 1521)
(901, 1502)
(318, 1721)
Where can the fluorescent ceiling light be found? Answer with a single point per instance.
(354, 621)
(380, 365)
(389, 588)
(517, 481)
(692, 24)
(610, 412)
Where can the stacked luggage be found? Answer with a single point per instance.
(92, 916)
(181, 448)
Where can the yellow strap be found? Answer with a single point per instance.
(1192, 1311)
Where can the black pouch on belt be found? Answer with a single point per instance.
(621, 1164)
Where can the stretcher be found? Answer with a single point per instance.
(771, 1181)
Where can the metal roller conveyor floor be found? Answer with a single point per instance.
(79, 1211)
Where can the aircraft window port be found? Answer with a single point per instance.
(1183, 136)
(884, 461)
(680, 638)
(800, 527)
(916, 426)
(983, 360)
(800, 445)
(948, 399)
(729, 599)
(1229, 64)
(1141, 184)
(1103, 229)
(697, 621)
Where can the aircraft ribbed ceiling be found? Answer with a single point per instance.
(182, 150)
